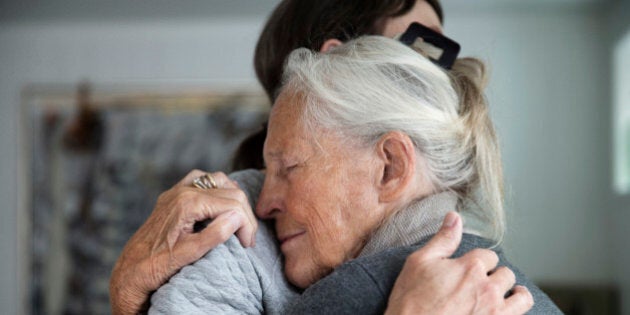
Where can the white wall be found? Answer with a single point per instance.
(549, 93)
(548, 89)
(620, 215)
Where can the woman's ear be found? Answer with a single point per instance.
(397, 154)
(330, 44)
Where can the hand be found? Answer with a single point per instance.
(432, 283)
(165, 242)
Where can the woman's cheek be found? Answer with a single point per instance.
(336, 246)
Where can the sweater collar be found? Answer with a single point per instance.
(422, 218)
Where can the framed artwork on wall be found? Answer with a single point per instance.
(98, 159)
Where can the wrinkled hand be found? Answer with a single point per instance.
(432, 283)
(165, 242)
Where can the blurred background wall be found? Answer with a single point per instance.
(558, 75)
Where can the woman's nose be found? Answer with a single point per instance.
(269, 201)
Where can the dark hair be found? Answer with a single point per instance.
(306, 23)
(298, 23)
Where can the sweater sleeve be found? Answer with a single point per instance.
(222, 282)
(230, 279)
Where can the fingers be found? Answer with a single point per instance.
(503, 278)
(223, 200)
(520, 301)
(209, 203)
(194, 246)
(446, 241)
(241, 197)
(188, 179)
(482, 260)
(222, 180)
(500, 296)
(215, 202)
(190, 247)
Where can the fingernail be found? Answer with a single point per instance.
(253, 243)
(450, 220)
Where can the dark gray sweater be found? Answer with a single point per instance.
(363, 285)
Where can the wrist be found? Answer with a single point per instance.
(126, 301)
(394, 306)
(125, 295)
(407, 305)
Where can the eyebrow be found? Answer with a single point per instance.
(273, 156)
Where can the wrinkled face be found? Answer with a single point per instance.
(422, 13)
(319, 192)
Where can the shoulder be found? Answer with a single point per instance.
(229, 279)
(360, 286)
(221, 281)
(348, 290)
(363, 285)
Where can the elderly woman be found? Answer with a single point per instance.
(165, 243)
(369, 146)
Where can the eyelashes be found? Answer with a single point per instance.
(286, 170)
(283, 171)
(284, 167)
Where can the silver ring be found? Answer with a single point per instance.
(205, 181)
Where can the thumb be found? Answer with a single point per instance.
(447, 239)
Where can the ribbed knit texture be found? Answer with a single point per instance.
(408, 226)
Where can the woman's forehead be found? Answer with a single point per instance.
(286, 112)
(286, 128)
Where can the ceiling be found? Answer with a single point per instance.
(20, 10)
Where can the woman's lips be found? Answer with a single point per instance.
(287, 239)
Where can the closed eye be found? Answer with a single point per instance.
(283, 171)
(290, 168)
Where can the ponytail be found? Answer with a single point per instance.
(484, 191)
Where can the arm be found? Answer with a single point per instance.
(166, 242)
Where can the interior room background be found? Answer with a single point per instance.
(559, 93)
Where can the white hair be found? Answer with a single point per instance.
(373, 85)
